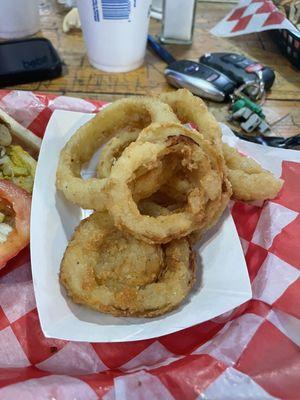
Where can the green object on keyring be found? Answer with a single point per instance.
(244, 102)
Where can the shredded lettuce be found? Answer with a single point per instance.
(18, 166)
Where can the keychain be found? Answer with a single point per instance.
(248, 114)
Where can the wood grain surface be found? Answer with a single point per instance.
(81, 80)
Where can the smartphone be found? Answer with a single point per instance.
(28, 60)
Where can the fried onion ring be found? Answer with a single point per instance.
(112, 272)
(179, 185)
(248, 179)
(126, 114)
(197, 157)
(247, 184)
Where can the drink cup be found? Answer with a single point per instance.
(18, 18)
(115, 32)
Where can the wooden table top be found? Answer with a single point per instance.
(81, 80)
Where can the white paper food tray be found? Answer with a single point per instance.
(222, 279)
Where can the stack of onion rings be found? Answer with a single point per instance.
(159, 186)
(248, 179)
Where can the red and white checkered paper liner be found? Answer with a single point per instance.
(252, 16)
(250, 353)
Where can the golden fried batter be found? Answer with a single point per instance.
(115, 273)
(248, 179)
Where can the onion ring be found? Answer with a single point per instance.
(131, 113)
(199, 158)
(188, 108)
(145, 280)
(248, 179)
(179, 185)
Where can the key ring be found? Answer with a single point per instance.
(257, 89)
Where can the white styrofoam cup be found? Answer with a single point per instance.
(115, 32)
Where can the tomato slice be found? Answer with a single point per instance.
(20, 201)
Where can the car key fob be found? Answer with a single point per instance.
(239, 68)
(200, 79)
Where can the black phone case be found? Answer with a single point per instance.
(28, 60)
